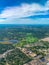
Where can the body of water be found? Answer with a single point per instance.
(10, 41)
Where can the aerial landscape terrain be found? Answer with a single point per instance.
(24, 32)
(24, 44)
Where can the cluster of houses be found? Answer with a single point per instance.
(28, 52)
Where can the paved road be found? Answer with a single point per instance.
(5, 53)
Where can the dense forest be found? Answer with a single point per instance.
(17, 32)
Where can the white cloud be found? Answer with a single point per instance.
(25, 10)
(2, 20)
(22, 11)
(25, 21)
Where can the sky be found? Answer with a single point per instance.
(24, 11)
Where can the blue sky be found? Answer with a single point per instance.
(24, 11)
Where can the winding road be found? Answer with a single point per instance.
(5, 53)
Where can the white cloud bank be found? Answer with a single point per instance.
(24, 10)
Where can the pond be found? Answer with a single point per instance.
(10, 41)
